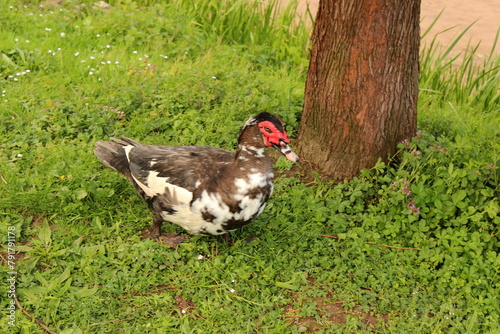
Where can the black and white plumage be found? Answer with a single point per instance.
(205, 190)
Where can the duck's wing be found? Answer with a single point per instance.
(156, 167)
(165, 176)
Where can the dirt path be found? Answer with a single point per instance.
(458, 14)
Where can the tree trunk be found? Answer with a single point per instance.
(362, 84)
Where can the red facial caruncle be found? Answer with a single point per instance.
(272, 135)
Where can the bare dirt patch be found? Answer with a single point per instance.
(332, 311)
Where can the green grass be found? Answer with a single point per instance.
(465, 78)
(180, 74)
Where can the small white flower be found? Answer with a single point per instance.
(19, 155)
(135, 52)
(90, 73)
(58, 49)
(97, 35)
(183, 311)
(16, 39)
(76, 54)
(16, 79)
(231, 290)
(108, 62)
(47, 29)
(117, 62)
(200, 257)
(108, 46)
(50, 51)
(214, 77)
(92, 57)
(62, 35)
(27, 41)
(27, 71)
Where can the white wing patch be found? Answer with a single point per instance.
(158, 185)
(127, 150)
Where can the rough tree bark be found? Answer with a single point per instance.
(362, 84)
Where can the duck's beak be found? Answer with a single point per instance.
(286, 151)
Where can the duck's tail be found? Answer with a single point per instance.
(114, 154)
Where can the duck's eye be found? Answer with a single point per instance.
(268, 129)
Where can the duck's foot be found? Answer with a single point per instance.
(172, 240)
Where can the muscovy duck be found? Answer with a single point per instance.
(205, 190)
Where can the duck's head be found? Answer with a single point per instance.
(273, 133)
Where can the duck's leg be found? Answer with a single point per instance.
(225, 238)
(171, 240)
(155, 229)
